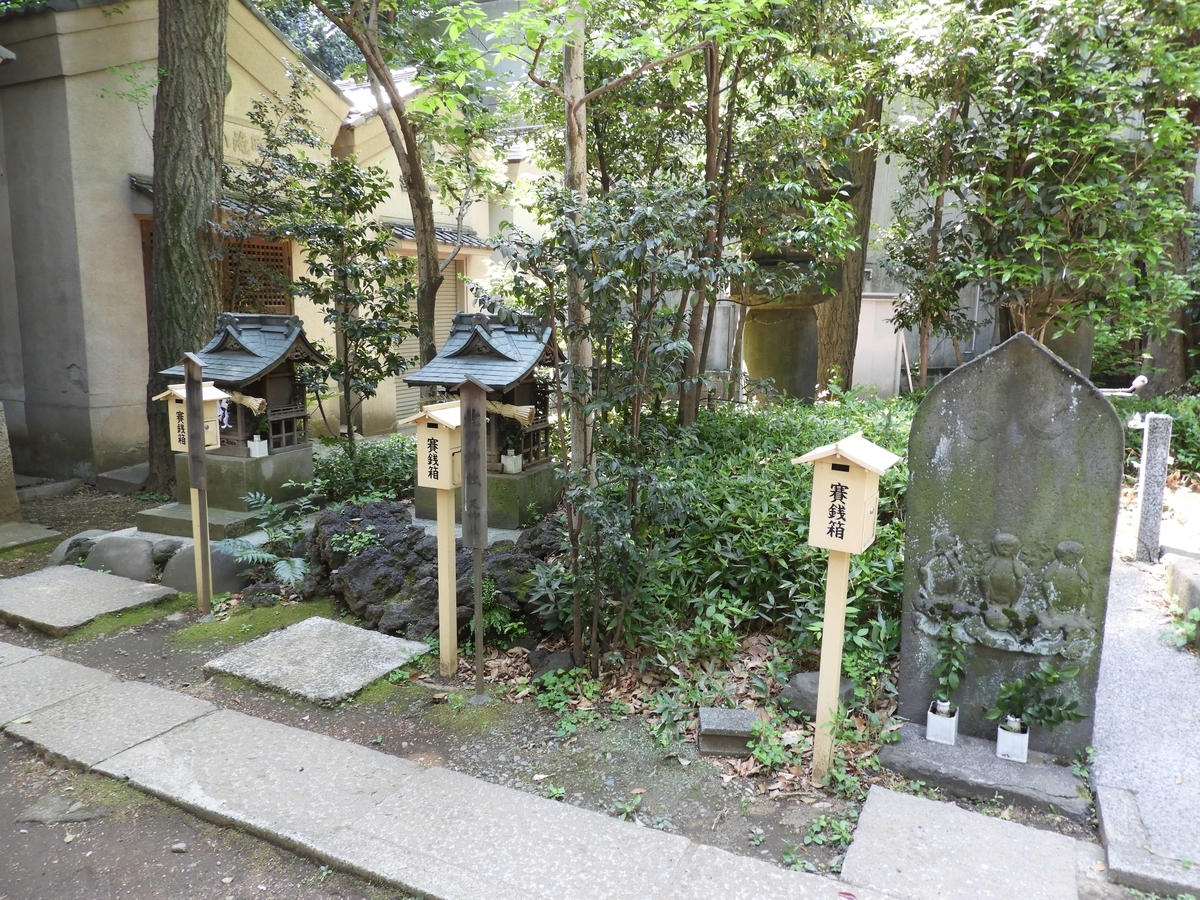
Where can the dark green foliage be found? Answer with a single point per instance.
(951, 663)
(1185, 431)
(1029, 699)
(385, 468)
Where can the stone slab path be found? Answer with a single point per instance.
(60, 598)
(318, 659)
(1147, 739)
(24, 534)
(433, 832)
(918, 849)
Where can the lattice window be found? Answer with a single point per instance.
(257, 271)
(256, 277)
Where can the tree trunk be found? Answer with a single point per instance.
(689, 394)
(837, 318)
(185, 286)
(579, 344)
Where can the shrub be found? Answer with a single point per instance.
(1185, 431)
(382, 470)
(721, 546)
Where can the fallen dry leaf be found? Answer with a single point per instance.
(638, 791)
(540, 777)
(1099, 865)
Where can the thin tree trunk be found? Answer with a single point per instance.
(361, 26)
(579, 345)
(923, 353)
(739, 339)
(185, 285)
(837, 318)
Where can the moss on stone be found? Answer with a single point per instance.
(111, 623)
(246, 624)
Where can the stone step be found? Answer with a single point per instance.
(175, 519)
(29, 489)
(25, 534)
(917, 849)
(126, 480)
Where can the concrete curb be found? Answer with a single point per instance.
(433, 832)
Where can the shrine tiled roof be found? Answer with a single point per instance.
(500, 355)
(249, 345)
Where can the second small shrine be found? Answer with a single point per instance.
(505, 357)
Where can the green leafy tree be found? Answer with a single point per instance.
(365, 291)
(441, 135)
(1044, 163)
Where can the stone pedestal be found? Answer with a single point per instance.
(514, 501)
(1152, 484)
(10, 508)
(780, 343)
(231, 478)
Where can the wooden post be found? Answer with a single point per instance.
(198, 479)
(472, 396)
(832, 632)
(447, 578)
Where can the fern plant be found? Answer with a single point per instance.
(285, 570)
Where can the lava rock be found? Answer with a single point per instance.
(258, 595)
(543, 540)
(125, 557)
(411, 618)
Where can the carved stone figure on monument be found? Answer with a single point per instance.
(942, 576)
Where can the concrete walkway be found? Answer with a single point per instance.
(433, 832)
(1147, 739)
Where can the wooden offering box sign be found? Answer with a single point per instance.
(176, 398)
(845, 501)
(439, 445)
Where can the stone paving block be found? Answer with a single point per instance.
(519, 842)
(919, 849)
(11, 654)
(317, 659)
(42, 681)
(61, 598)
(971, 768)
(95, 725)
(1147, 768)
(287, 784)
(708, 873)
(1130, 852)
(25, 534)
(725, 732)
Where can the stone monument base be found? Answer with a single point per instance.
(970, 768)
(514, 501)
(231, 478)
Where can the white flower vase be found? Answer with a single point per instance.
(1011, 744)
(510, 463)
(940, 726)
(258, 447)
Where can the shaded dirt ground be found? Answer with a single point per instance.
(615, 766)
(127, 851)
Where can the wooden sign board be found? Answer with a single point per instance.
(211, 397)
(845, 499)
(439, 445)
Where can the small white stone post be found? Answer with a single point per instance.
(1152, 483)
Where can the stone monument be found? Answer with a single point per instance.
(1014, 479)
(10, 509)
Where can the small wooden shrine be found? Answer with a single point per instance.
(503, 357)
(254, 357)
